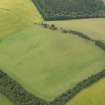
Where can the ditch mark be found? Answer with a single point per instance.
(5, 9)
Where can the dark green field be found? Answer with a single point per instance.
(70, 9)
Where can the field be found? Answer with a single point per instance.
(94, 28)
(51, 61)
(47, 55)
(94, 95)
(4, 101)
(16, 15)
(70, 9)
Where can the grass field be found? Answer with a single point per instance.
(4, 101)
(16, 15)
(48, 62)
(94, 95)
(94, 28)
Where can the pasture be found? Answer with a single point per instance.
(94, 95)
(94, 28)
(46, 62)
(4, 101)
(17, 15)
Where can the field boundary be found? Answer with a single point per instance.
(53, 27)
(39, 9)
(19, 96)
(16, 93)
(84, 84)
(66, 31)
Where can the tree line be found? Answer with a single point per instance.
(98, 43)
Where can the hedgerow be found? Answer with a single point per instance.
(53, 27)
(19, 96)
(100, 44)
(16, 93)
(71, 93)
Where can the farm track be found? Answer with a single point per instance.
(67, 95)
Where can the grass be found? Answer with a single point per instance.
(17, 15)
(4, 101)
(94, 95)
(94, 28)
(47, 62)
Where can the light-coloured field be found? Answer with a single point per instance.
(94, 28)
(48, 62)
(4, 101)
(104, 1)
(16, 15)
(94, 95)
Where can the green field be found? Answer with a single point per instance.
(17, 15)
(94, 95)
(94, 28)
(4, 101)
(48, 63)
